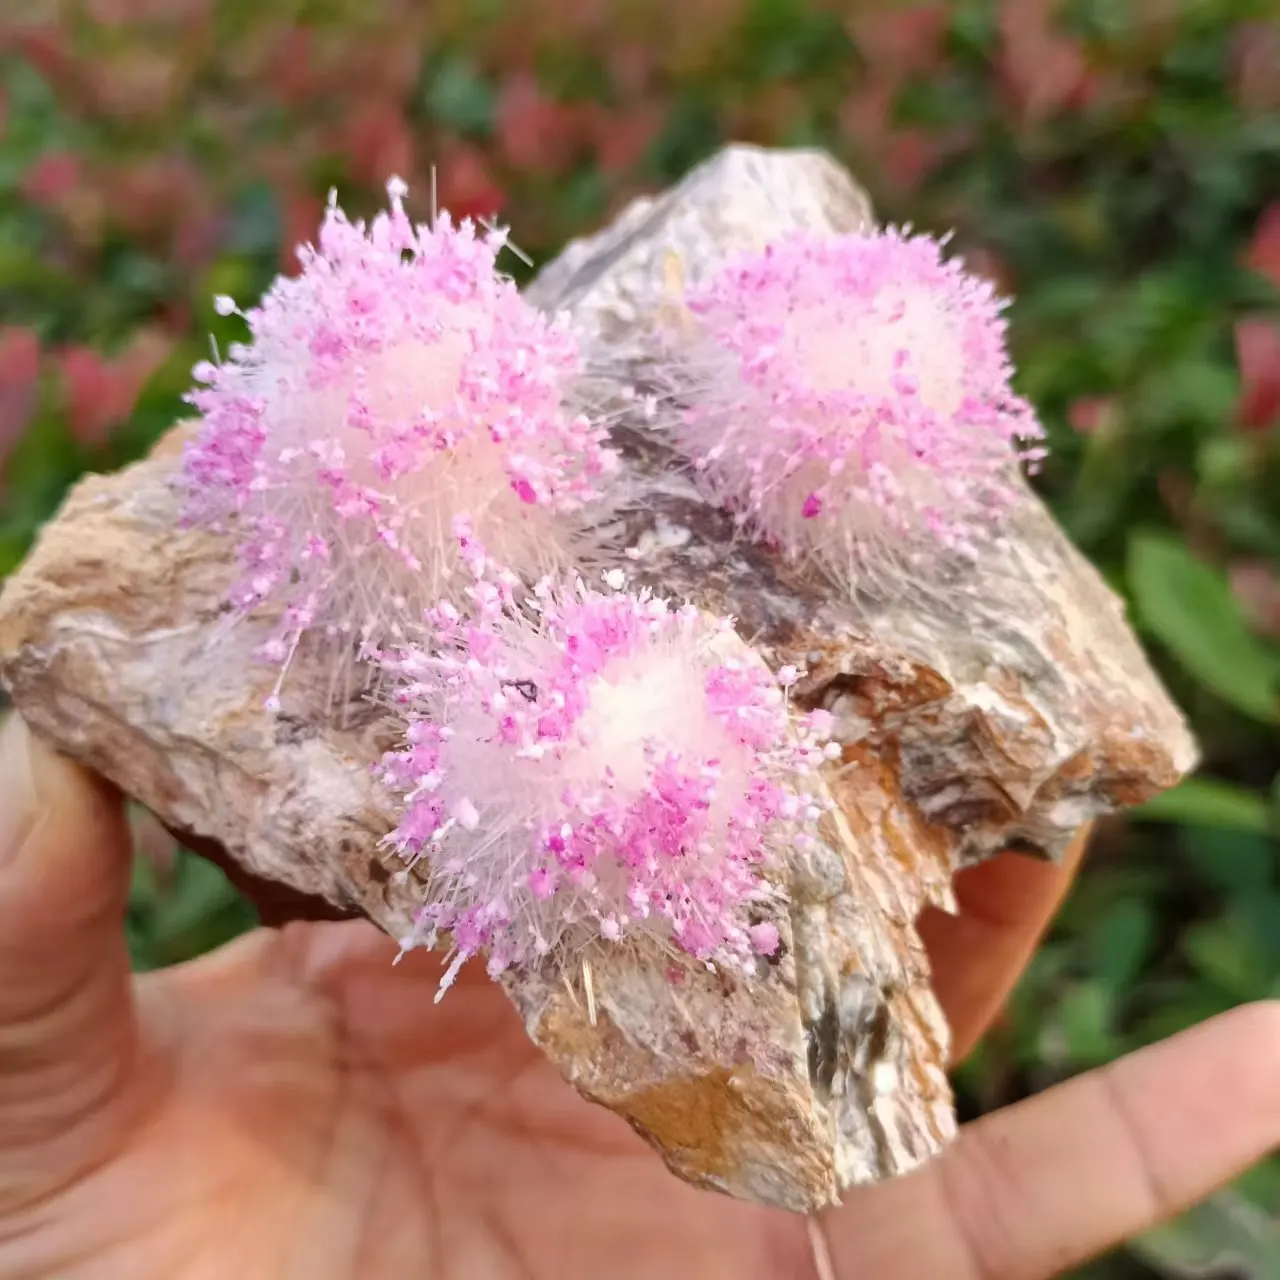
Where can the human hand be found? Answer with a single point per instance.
(293, 1106)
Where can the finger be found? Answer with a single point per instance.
(1005, 906)
(66, 1026)
(1058, 1179)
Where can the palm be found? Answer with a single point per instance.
(294, 1106)
(311, 1112)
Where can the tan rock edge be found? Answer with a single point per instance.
(1011, 720)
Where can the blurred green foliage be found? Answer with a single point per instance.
(1114, 167)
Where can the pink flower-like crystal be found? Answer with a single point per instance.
(596, 766)
(397, 383)
(850, 400)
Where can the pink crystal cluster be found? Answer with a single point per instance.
(594, 765)
(398, 382)
(394, 452)
(851, 400)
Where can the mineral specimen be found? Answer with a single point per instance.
(1009, 709)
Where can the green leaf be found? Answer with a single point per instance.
(1084, 1024)
(255, 222)
(192, 909)
(1261, 1184)
(1224, 1232)
(1228, 953)
(200, 890)
(1260, 915)
(1188, 606)
(1177, 1005)
(13, 546)
(1237, 863)
(1209, 802)
(457, 97)
(1121, 942)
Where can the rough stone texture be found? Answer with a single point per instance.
(1010, 716)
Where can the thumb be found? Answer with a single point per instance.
(67, 1031)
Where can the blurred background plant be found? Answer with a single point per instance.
(1115, 167)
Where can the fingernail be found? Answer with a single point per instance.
(19, 801)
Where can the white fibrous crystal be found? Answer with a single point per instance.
(848, 398)
(596, 766)
(397, 384)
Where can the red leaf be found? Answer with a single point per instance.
(19, 355)
(1258, 354)
(898, 43)
(1263, 255)
(534, 132)
(92, 395)
(99, 393)
(46, 47)
(622, 138)
(631, 67)
(905, 155)
(1256, 586)
(301, 213)
(113, 13)
(148, 350)
(19, 375)
(196, 239)
(1042, 70)
(292, 79)
(985, 262)
(51, 178)
(386, 63)
(1090, 414)
(910, 154)
(377, 143)
(134, 83)
(161, 201)
(65, 188)
(1178, 495)
(864, 114)
(467, 187)
(176, 317)
(1255, 72)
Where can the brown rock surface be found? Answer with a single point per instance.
(1013, 715)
